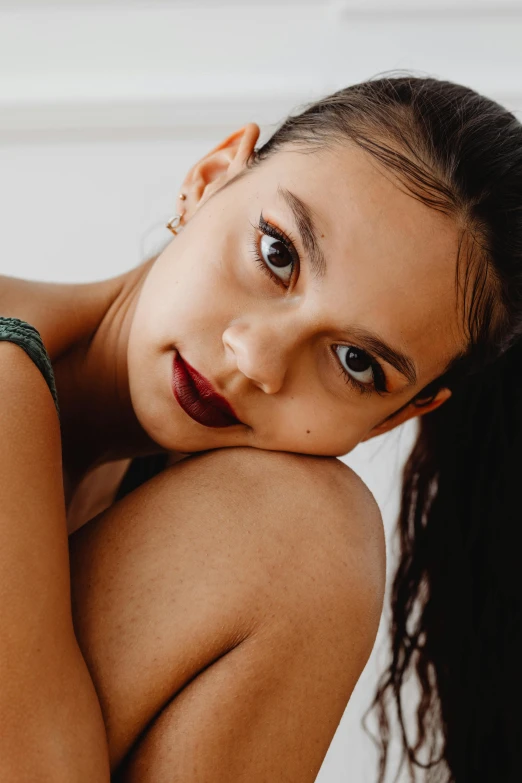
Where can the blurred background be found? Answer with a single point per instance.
(105, 105)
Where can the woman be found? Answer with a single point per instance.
(359, 269)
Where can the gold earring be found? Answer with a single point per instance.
(174, 224)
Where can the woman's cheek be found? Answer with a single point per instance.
(329, 432)
(302, 427)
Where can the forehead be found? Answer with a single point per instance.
(391, 260)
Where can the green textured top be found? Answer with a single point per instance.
(27, 337)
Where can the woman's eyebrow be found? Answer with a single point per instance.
(375, 345)
(307, 231)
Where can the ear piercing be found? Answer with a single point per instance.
(174, 223)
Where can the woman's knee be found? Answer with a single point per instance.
(213, 550)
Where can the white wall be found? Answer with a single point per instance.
(103, 106)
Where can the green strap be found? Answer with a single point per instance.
(27, 337)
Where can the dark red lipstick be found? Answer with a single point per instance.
(198, 398)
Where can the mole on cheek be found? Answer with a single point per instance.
(308, 432)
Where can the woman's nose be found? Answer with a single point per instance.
(261, 353)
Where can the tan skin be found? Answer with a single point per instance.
(277, 350)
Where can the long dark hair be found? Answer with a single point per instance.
(456, 598)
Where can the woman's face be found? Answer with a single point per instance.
(312, 293)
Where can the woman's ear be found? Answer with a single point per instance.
(218, 167)
(410, 411)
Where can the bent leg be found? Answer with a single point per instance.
(226, 609)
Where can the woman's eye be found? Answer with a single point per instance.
(357, 363)
(277, 257)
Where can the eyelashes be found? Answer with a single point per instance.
(269, 267)
(266, 229)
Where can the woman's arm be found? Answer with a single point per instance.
(226, 609)
(52, 727)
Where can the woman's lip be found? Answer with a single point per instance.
(198, 398)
